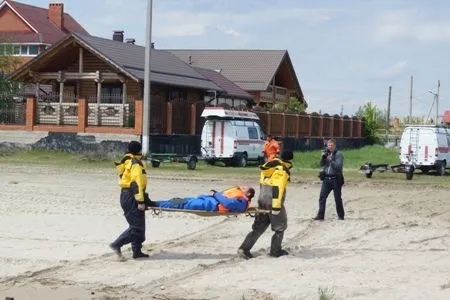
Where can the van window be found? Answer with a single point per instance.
(252, 133)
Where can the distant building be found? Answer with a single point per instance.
(29, 29)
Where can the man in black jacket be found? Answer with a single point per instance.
(332, 162)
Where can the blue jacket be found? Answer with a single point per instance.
(205, 202)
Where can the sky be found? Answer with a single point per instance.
(345, 52)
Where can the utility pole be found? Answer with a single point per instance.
(410, 100)
(147, 90)
(437, 103)
(388, 115)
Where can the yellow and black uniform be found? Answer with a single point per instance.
(274, 177)
(133, 183)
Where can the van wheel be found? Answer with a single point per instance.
(192, 163)
(441, 168)
(410, 174)
(242, 161)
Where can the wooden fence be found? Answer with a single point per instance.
(170, 118)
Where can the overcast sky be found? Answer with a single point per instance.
(345, 52)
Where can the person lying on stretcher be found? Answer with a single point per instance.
(234, 199)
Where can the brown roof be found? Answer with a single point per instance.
(126, 58)
(252, 70)
(38, 18)
(230, 88)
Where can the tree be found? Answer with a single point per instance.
(374, 119)
(8, 63)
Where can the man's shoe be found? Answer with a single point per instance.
(140, 255)
(279, 253)
(115, 249)
(244, 253)
(341, 218)
(318, 218)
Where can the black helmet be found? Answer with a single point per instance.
(287, 155)
(134, 148)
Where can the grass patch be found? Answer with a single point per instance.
(326, 294)
(353, 158)
(306, 166)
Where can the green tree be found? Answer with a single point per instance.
(374, 119)
(8, 63)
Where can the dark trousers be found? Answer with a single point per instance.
(331, 184)
(135, 234)
(278, 223)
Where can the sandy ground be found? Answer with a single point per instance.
(55, 227)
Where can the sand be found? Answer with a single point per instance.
(394, 243)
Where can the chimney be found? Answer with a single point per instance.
(56, 14)
(118, 36)
(130, 41)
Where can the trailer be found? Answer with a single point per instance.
(368, 169)
(156, 159)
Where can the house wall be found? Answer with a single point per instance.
(10, 22)
(88, 88)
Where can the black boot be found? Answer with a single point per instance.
(139, 254)
(246, 254)
(250, 240)
(275, 247)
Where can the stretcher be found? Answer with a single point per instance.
(250, 212)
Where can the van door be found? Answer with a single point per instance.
(253, 141)
(443, 150)
(426, 147)
(213, 138)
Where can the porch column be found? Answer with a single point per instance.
(59, 110)
(61, 81)
(99, 80)
(36, 92)
(80, 70)
(124, 89)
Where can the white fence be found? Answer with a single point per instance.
(103, 114)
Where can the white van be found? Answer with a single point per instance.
(233, 137)
(426, 148)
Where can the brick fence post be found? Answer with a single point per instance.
(82, 115)
(30, 113)
(138, 115)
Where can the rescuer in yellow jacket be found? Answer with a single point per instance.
(274, 178)
(133, 199)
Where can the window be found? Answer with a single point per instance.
(111, 93)
(33, 50)
(19, 50)
(253, 133)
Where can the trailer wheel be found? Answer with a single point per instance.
(410, 173)
(369, 175)
(192, 163)
(241, 161)
(441, 169)
(155, 163)
(210, 162)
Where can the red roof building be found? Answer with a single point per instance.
(30, 29)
